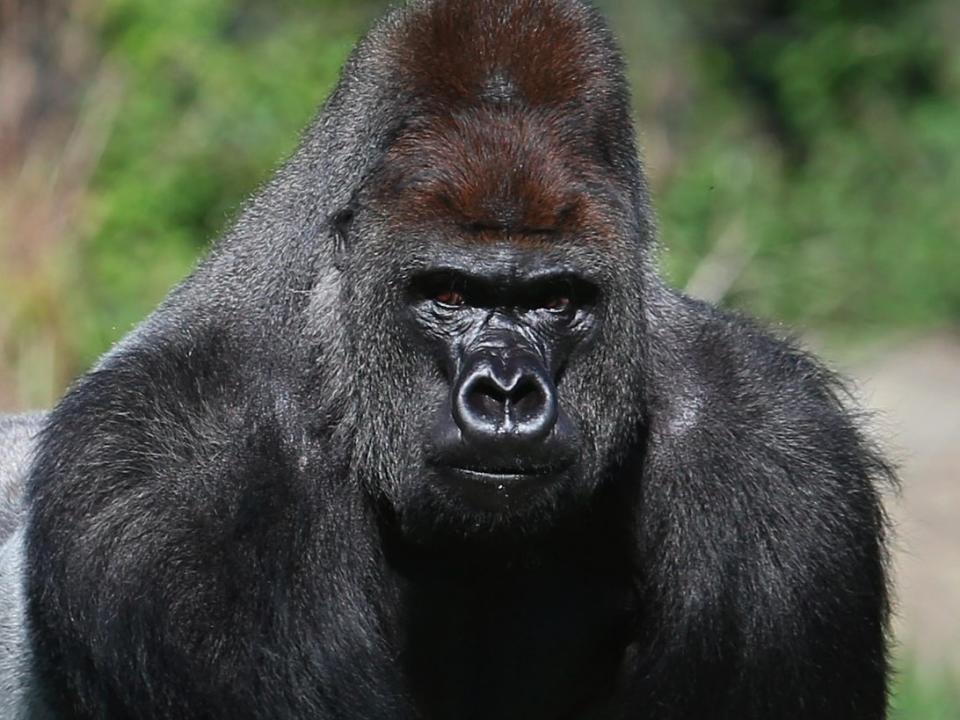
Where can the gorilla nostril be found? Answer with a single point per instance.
(488, 400)
(527, 400)
(479, 405)
(534, 408)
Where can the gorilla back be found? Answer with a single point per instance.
(425, 436)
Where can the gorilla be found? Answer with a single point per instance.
(426, 437)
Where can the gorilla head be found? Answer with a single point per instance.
(492, 264)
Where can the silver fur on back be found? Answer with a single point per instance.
(17, 437)
(17, 433)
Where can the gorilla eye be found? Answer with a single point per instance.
(558, 304)
(451, 298)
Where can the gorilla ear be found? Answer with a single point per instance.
(340, 225)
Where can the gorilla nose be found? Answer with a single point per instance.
(506, 399)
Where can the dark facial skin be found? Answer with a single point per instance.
(503, 325)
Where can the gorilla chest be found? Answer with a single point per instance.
(538, 647)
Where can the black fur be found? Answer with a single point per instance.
(229, 518)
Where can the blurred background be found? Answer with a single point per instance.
(804, 154)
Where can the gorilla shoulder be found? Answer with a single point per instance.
(728, 382)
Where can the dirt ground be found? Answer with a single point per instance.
(916, 390)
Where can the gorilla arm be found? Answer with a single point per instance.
(760, 532)
(171, 552)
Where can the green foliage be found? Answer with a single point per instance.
(917, 696)
(821, 136)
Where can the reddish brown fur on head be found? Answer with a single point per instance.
(487, 168)
(507, 102)
(540, 52)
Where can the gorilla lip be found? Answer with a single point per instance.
(503, 473)
(493, 490)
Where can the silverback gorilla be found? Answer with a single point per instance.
(427, 438)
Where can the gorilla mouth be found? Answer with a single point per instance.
(496, 489)
(500, 474)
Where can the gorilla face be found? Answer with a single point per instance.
(502, 326)
(493, 365)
